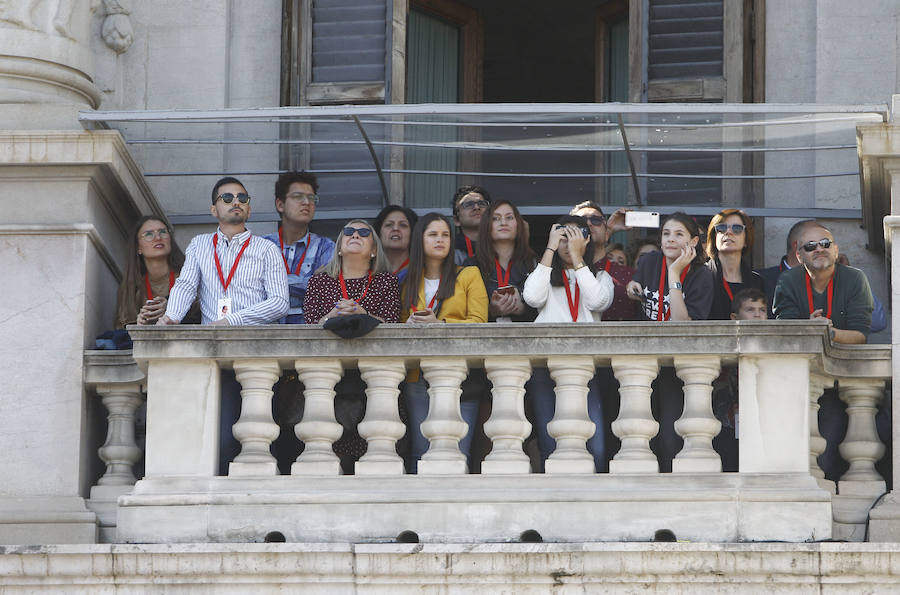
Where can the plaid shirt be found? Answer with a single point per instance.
(319, 254)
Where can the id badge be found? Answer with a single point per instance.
(223, 307)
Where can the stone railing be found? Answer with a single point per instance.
(779, 492)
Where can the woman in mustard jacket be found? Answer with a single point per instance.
(436, 291)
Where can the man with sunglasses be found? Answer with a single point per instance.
(302, 252)
(823, 288)
(622, 308)
(771, 274)
(240, 279)
(469, 204)
(230, 268)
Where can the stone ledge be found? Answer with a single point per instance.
(462, 568)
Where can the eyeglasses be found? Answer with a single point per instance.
(228, 198)
(362, 231)
(162, 233)
(471, 204)
(596, 220)
(811, 246)
(736, 228)
(304, 198)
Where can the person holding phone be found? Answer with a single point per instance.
(505, 260)
(436, 291)
(154, 262)
(563, 289)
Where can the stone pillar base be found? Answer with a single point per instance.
(884, 519)
(46, 519)
(104, 503)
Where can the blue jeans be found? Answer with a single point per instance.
(415, 395)
(540, 394)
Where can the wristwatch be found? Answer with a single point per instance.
(675, 285)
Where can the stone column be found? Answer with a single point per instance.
(444, 426)
(382, 426)
(46, 60)
(697, 425)
(507, 428)
(635, 425)
(318, 429)
(120, 452)
(884, 518)
(861, 484)
(861, 446)
(817, 386)
(571, 426)
(255, 429)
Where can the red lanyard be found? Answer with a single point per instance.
(402, 266)
(434, 297)
(727, 288)
(469, 248)
(502, 280)
(344, 287)
(287, 267)
(664, 285)
(809, 295)
(573, 305)
(147, 283)
(226, 283)
(606, 265)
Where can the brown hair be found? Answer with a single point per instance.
(484, 249)
(132, 292)
(720, 217)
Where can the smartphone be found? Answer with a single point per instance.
(641, 219)
(424, 312)
(506, 289)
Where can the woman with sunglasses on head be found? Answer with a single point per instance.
(505, 260)
(394, 224)
(154, 262)
(436, 290)
(563, 289)
(728, 244)
(673, 284)
(356, 281)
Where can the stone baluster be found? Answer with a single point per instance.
(255, 429)
(635, 425)
(571, 426)
(507, 428)
(861, 446)
(120, 451)
(697, 425)
(444, 426)
(817, 386)
(382, 426)
(318, 429)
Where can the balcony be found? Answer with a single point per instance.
(779, 492)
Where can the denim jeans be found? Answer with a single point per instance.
(415, 395)
(541, 395)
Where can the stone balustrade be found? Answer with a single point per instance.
(778, 494)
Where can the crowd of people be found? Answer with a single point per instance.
(479, 267)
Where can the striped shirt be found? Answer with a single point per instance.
(258, 290)
(316, 252)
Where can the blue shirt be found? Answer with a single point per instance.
(319, 253)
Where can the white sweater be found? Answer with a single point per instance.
(551, 302)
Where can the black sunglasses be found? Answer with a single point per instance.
(362, 231)
(811, 246)
(736, 228)
(596, 220)
(228, 198)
